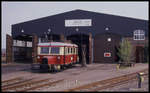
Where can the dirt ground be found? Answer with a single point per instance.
(75, 76)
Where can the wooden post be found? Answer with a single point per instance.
(83, 55)
(25, 44)
(9, 47)
(62, 38)
(34, 48)
(90, 48)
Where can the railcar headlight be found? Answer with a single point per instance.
(71, 58)
(78, 58)
(38, 57)
(58, 57)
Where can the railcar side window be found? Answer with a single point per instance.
(44, 50)
(55, 50)
(68, 50)
(71, 50)
(74, 50)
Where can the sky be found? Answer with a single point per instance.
(17, 12)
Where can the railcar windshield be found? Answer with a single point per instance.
(44, 50)
(55, 50)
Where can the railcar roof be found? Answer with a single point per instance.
(56, 44)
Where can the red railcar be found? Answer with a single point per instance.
(57, 55)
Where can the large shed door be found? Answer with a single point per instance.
(105, 48)
(139, 54)
(9, 44)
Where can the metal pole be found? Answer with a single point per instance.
(51, 37)
(49, 34)
(139, 80)
(45, 36)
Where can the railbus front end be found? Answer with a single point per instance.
(56, 56)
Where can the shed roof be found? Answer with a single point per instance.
(116, 24)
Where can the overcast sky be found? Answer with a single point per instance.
(16, 12)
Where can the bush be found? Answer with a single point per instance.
(124, 51)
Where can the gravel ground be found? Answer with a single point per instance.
(75, 76)
(131, 86)
(7, 69)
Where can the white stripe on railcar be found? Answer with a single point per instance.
(56, 44)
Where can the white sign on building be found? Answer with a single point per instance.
(78, 22)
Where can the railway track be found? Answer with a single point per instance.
(42, 85)
(23, 85)
(108, 83)
(17, 83)
(11, 81)
(29, 85)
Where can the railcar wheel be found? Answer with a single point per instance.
(70, 65)
(52, 68)
(44, 68)
(62, 67)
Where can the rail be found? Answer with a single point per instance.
(99, 85)
(24, 85)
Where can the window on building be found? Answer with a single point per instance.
(29, 44)
(42, 40)
(44, 50)
(139, 35)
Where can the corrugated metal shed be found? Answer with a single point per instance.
(100, 27)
